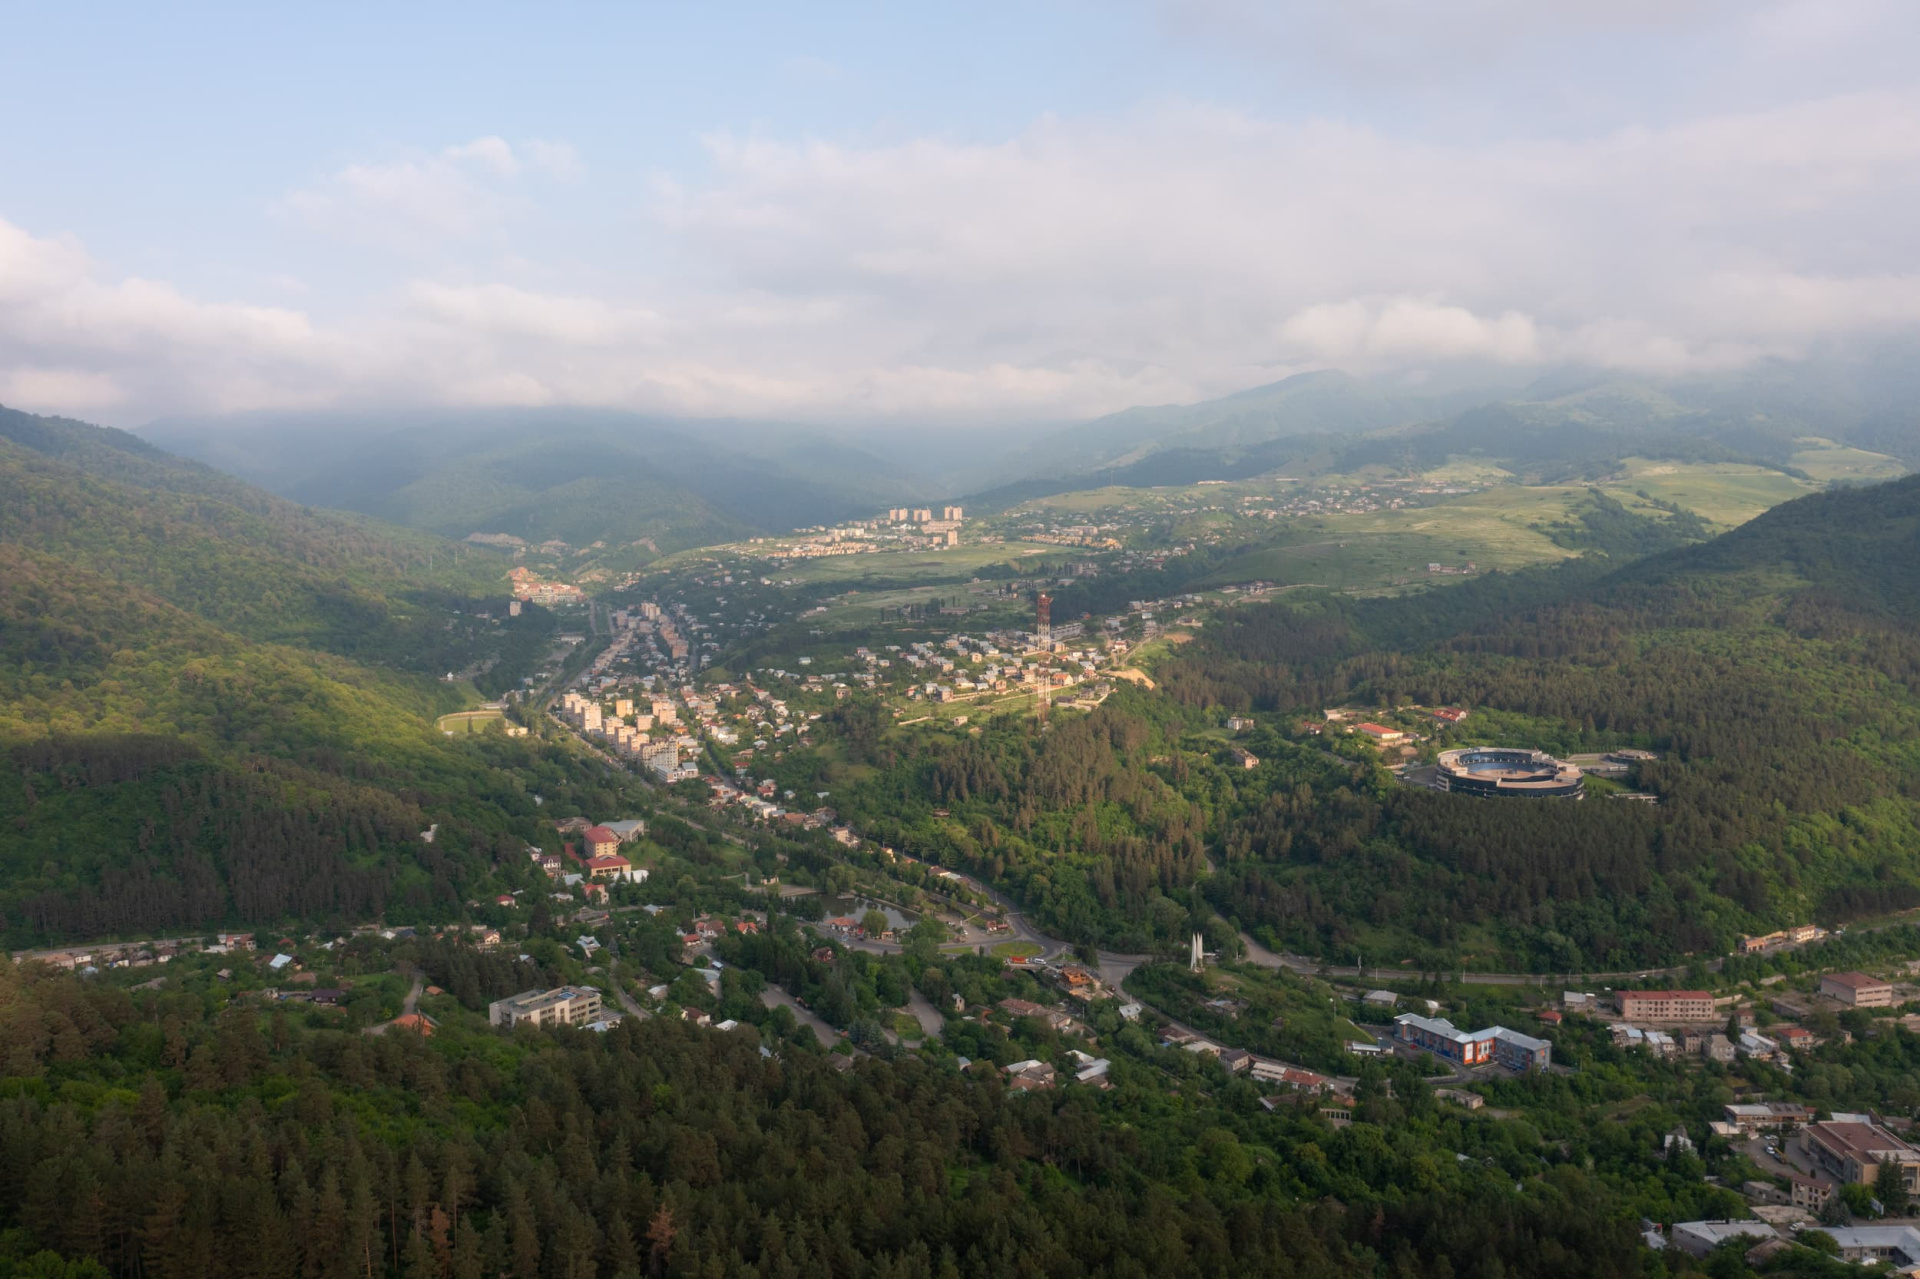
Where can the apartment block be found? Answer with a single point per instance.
(562, 1006)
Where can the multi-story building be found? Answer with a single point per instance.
(1443, 1039)
(661, 759)
(562, 1006)
(1666, 1005)
(1767, 1114)
(1851, 1148)
(1857, 990)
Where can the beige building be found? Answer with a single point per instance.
(1857, 990)
(1850, 1148)
(563, 1006)
(1666, 1005)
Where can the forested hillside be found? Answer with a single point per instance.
(1773, 669)
(241, 558)
(217, 707)
(185, 1132)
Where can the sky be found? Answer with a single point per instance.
(933, 213)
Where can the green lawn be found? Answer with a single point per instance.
(1827, 461)
(1724, 493)
(1016, 950)
(467, 721)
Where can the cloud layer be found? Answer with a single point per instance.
(1079, 265)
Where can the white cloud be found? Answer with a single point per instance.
(67, 390)
(460, 192)
(1078, 265)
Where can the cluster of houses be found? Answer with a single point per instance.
(1845, 1149)
(1280, 1076)
(1695, 1023)
(592, 861)
(762, 802)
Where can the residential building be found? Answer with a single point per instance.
(1850, 1148)
(1857, 990)
(1701, 1237)
(1868, 1245)
(1380, 733)
(1666, 1005)
(1767, 1114)
(1808, 1192)
(1243, 758)
(562, 1006)
(1030, 1076)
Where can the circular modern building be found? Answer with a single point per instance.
(1491, 771)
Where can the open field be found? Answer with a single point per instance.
(467, 721)
(1827, 461)
(1015, 950)
(1722, 493)
(862, 608)
(953, 564)
(1491, 529)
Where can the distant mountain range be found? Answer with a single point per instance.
(650, 485)
(578, 476)
(1568, 424)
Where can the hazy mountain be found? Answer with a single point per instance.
(581, 476)
(1565, 424)
(1325, 402)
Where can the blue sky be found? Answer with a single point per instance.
(932, 212)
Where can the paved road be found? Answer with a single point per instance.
(931, 1022)
(407, 1005)
(627, 1002)
(774, 997)
(1258, 954)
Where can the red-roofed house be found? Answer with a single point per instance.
(1448, 716)
(611, 866)
(1380, 733)
(601, 840)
